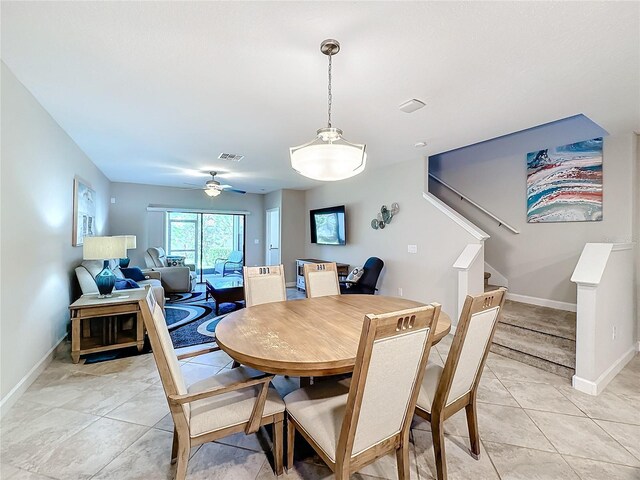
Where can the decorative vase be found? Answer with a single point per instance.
(124, 262)
(105, 281)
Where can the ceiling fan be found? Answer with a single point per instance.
(213, 188)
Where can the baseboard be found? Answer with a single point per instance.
(595, 388)
(25, 382)
(290, 284)
(542, 302)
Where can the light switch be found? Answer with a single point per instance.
(113, 199)
(256, 241)
(412, 248)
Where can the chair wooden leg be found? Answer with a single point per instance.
(437, 431)
(183, 460)
(277, 446)
(291, 435)
(402, 459)
(474, 434)
(174, 447)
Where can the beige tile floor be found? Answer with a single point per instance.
(110, 421)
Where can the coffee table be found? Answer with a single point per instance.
(224, 290)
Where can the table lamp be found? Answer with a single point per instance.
(131, 244)
(104, 248)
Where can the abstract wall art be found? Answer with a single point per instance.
(564, 184)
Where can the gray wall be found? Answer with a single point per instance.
(129, 216)
(39, 162)
(540, 260)
(427, 276)
(293, 215)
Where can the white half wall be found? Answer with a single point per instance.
(426, 276)
(37, 281)
(129, 216)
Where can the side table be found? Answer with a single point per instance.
(87, 307)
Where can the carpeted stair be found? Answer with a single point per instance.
(542, 337)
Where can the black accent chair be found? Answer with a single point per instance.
(367, 283)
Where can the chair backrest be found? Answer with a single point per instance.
(155, 257)
(321, 279)
(235, 256)
(372, 268)
(264, 284)
(390, 364)
(163, 352)
(465, 361)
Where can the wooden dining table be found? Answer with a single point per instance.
(311, 337)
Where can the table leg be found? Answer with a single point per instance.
(75, 340)
(139, 331)
(305, 382)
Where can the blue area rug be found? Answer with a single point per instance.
(192, 320)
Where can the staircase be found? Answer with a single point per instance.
(542, 337)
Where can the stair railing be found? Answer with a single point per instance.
(501, 223)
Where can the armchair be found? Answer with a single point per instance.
(174, 279)
(233, 262)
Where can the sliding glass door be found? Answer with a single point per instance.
(207, 240)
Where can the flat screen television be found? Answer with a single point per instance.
(328, 226)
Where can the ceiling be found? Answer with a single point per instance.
(153, 92)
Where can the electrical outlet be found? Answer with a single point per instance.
(399, 291)
(412, 248)
(614, 333)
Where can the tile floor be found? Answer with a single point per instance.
(110, 421)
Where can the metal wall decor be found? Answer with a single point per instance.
(385, 216)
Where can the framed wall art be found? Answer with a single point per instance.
(84, 211)
(564, 184)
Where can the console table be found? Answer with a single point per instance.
(110, 336)
(343, 270)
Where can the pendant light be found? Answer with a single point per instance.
(329, 156)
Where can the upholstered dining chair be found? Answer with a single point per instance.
(264, 284)
(351, 423)
(446, 390)
(240, 400)
(321, 279)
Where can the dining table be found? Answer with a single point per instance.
(311, 337)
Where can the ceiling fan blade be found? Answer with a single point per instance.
(192, 184)
(235, 190)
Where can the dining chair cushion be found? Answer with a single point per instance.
(319, 411)
(478, 335)
(229, 409)
(325, 282)
(265, 289)
(432, 375)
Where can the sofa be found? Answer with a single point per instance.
(88, 270)
(178, 279)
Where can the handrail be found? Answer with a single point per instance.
(501, 223)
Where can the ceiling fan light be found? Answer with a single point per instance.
(212, 192)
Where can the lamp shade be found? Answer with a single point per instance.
(103, 248)
(131, 241)
(212, 192)
(328, 160)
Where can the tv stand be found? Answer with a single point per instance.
(343, 270)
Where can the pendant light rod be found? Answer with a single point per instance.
(330, 47)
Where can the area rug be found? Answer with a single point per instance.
(192, 320)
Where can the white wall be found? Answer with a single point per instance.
(539, 261)
(427, 276)
(129, 216)
(293, 231)
(39, 162)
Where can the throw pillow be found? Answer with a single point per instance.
(134, 273)
(175, 261)
(354, 276)
(125, 284)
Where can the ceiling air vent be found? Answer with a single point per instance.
(230, 156)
